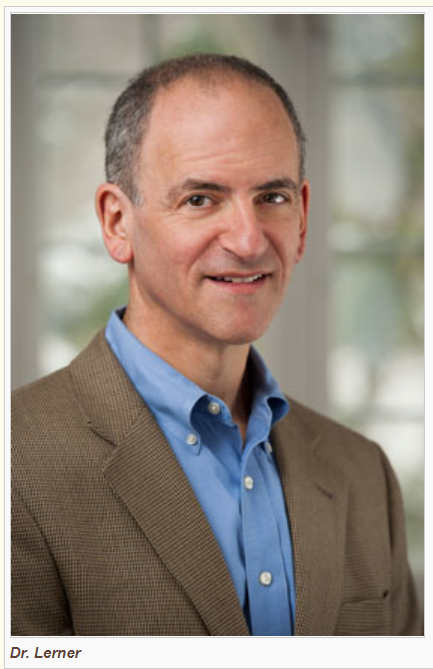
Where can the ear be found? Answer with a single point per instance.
(114, 211)
(303, 218)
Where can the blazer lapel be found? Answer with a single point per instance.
(146, 475)
(316, 498)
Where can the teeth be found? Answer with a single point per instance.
(246, 279)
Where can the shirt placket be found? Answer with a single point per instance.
(269, 608)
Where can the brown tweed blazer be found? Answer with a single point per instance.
(109, 539)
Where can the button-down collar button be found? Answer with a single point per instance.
(214, 408)
(265, 578)
(191, 439)
(268, 447)
(248, 483)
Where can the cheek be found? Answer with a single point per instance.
(285, 245)
(172, 258)
(189, 250)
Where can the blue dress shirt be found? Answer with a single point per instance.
(238, 487)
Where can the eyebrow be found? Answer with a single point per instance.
(285, 182)
(196, 184)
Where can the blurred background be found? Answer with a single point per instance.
(349, 338)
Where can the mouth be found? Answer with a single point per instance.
(238, 279)
(245, 284)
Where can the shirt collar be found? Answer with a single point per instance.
(175, 398)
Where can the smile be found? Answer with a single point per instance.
(239, 279)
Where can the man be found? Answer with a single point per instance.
(163, 484)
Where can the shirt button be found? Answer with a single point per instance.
(191, 439)
(268, 447)
(265, 578)
(248, 483)
(214, 408)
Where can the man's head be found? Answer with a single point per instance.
(222, 215)
(131, 113)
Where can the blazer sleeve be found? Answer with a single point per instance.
(406, 615)
(39, 606)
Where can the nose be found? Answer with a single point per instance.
(243, 234)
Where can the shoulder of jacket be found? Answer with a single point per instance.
(46, 389)
(49, 383)
(53, 389)
(49, 427)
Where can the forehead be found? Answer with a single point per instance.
(218, 122)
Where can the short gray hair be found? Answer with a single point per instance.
(131, 111)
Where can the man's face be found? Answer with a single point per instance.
(223, 216)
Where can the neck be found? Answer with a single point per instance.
(221, 370)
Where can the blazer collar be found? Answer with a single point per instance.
(145, 474)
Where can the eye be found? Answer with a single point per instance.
(274, 198)
(198, 201)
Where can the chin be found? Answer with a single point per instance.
(242, 334)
